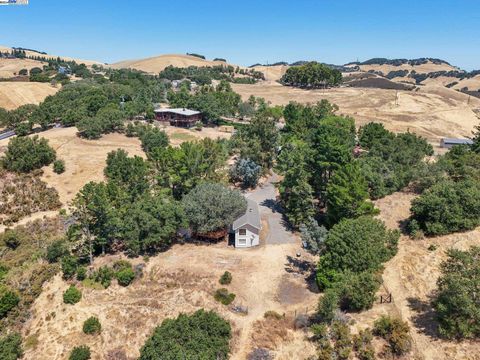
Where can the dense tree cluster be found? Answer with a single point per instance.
(202, 335)
(25, 154)
(311, 75)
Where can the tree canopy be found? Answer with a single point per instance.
(212, 207)
(202, 335)
(25, 154)
(312, 75)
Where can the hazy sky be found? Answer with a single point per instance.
(247, 32)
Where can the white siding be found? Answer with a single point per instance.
(251, 237)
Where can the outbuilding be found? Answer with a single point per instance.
(450, 142)
(178, 117)
(247, 227)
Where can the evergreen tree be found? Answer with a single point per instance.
(347, 194)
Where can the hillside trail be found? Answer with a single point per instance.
(411, 278)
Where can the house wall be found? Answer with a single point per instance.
(252, 237)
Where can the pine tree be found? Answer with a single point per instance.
(347, 194)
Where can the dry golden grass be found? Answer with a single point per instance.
(157, 63)
(15, 94)
(433, 111)
(11, 67)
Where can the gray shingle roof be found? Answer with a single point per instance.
(251, 217)
(179, 111)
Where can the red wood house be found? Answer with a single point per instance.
(178, 117)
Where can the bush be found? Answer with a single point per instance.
(456, 303)
(72, 295)
(270, 314)
(8, 300)
(223, 296)
(11, 239)
(153, 138)
(358, 290)
(25, 154)
(202, 335)
(125, 276)
(69, 266)
(80, 353)
(59, 166)
(328, 305)
(396, 332)
(120, 265)
(362, 344)
(56, 251)
(81, 273)
(448, 207)
(226, 278)
(11, 347)
(358, 245)
(104, 276)
(247, 172)
(92, 326)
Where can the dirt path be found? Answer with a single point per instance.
(411, 279)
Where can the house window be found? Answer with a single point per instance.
(242, 242)
(242, 232)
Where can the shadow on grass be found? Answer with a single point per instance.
(425, 318)
(305, 268)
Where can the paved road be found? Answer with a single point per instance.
(271, 210)
(7, 134)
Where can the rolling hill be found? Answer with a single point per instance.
(156, 64)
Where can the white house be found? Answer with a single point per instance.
(247, 227)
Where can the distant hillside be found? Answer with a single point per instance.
(158, 63)
(36, 53)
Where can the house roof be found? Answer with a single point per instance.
(251, 217)
(179, 111)
(457, 141)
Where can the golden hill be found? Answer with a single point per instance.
(49, 56)
(15, 94)
(157, 63)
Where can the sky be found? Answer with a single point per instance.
(247, 32)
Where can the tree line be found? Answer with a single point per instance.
(312, 75)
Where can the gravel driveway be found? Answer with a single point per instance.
(270, 210)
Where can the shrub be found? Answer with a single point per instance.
(72, 295)
(59, 166)
(358, 290)
(11, 239)
(396, 332)
(202, 335)
(92, 326)
(11, 347)
(69, 266)
(125, 276)
(56, 251)
(226, 278)
(25, 154)
(8, 300)
(357, 245)
(104, 276)
(247, 172)
(270, 314)
(80, 353)
(81, 273)
(153, 138)
(120, 265)
(448, 207)
(362, 344)
(456, 303)
(328, 305)
(223, 296)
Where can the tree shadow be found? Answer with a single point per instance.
(425, 318)
(305, 268)
(276, 207)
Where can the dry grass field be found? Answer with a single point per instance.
(11, 67)
(157, 63)
(129, 315)
(15, 94)
(432, 111)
